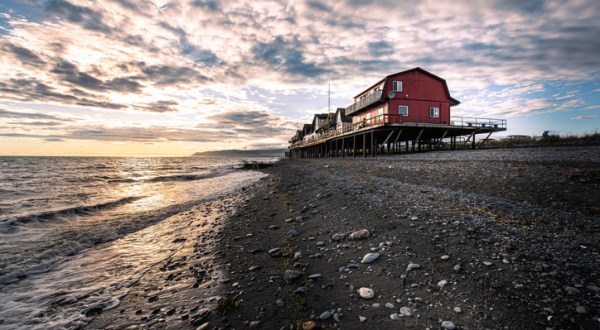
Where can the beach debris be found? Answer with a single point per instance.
(370, 257)
(366, 293)
(359, 234)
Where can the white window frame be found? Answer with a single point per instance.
(400, 112)
(434, 112)
(397, 85)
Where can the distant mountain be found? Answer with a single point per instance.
(242, 153)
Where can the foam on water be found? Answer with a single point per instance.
(59, 268)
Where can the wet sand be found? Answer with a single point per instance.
(468, 239)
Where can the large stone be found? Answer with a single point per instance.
(291, 274)
(366, 293)
(370, 257)
(359, 234)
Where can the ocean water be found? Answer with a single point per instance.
(77, 232)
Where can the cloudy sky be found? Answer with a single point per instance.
(159, 77)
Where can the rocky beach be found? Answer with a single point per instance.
(474, 239)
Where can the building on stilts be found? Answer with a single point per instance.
(403, 112)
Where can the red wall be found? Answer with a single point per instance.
(419, 92)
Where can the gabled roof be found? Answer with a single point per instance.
(307, 129)
(343, 113)
(453, 101)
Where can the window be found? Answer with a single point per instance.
(397, 86)
(403, 110)
(380, 112)
(434, 112)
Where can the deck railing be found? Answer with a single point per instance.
(364, 102)
(457, 122)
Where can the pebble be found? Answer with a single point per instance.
(442, 283)
(362, 319)
(359, 234)
(366, 293)
(389, 305)
(279, 303)
(406, 311)
(293, 233)
(412, 266)
(254, 324)
(395, 317)
(414, 218)
(297, 255)
(581, 309)
(273, 250)
(301, 289)
(338, 237)
(370, 257)
(457, 309)
(291, 274)
(445, 257)
(309, 325)
(314, 276)
(593, 288)
(449, 325)
(325, 315)
(457, 268)
(572, 290)
(487, 263)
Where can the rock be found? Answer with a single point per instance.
(389, 305)
(445, 257)
(254, 324)
(442, 283)
(457, 309)
(406, 311)
(362, 319)
(395, 317)
(412, 266)
(572, 290)
(314, 276)
(593, 288)
(291, 274)
(449, 325)
(325, 315)
(581, 309)
(487, 263)
(370, 257)
(366, 293)
(309, 325)
(293, 233)
(301, 289)
(336, 317)
(359, 234)
(457, 268)
(273, 250)
(338, 237)
(297, 255)
(414, 218)
(253, 268)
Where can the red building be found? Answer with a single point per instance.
(413, 95)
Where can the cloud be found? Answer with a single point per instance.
(32, 115)
(159, 106)
(86, 17)
(286, 56)
(24, 55)
(585, 117)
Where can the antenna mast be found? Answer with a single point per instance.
(329, 99)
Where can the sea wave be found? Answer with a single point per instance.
(11, 224)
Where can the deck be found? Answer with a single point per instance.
(385, 134)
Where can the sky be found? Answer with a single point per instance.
(170, 78)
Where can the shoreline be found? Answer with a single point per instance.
(503, 238)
